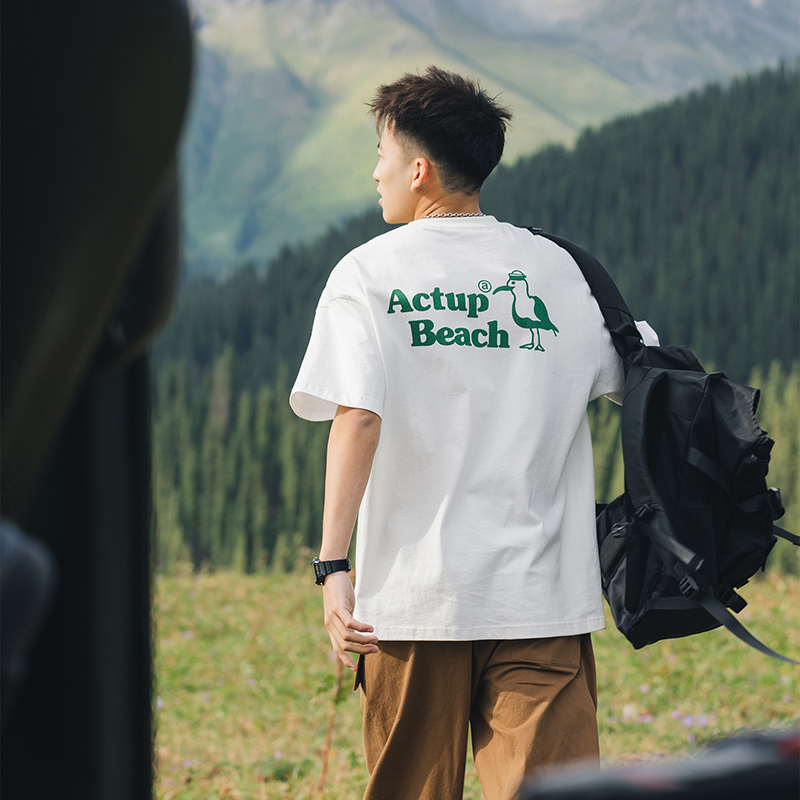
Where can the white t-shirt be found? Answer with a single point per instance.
(479, 346)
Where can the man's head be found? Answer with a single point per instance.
(449, 119)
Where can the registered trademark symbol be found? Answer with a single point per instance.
(484, 286)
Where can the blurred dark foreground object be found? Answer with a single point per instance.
(755, 766)
(94, 94)
(26, 587)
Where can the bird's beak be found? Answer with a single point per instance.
(507, 288)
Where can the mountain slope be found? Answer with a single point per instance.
(278, 146)
(667, 46)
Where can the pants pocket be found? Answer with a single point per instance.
(359, 680)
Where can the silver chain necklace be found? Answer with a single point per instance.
(474, 214)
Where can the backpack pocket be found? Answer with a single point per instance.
(750, 476)
(612, 532)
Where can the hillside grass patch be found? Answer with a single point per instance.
(246, 684)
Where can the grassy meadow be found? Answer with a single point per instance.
(246, 688)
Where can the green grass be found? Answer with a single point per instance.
(246, 687)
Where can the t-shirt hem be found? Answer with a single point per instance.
(540, 630)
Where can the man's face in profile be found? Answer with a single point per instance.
(394, 174)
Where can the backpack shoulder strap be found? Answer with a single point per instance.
(624, 333)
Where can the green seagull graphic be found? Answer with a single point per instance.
(517, 284)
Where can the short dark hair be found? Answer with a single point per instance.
(458, 125)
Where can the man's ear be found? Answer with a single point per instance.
(423, 173)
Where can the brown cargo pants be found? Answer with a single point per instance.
(530, 703)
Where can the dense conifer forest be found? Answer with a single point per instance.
(694, 209)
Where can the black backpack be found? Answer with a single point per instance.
(696, 520)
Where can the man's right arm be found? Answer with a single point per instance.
(351, 447)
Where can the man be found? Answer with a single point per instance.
(456, 355)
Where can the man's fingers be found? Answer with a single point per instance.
(341, 648)
(347, 635)
(350, 629)
(359, 649)
(352, 640)
(344, 639)
(347, 661)
(360, 626)
(351, 634)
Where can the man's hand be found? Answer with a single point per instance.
(347, 634)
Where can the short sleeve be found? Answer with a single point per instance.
(611, 380)
(342, 365)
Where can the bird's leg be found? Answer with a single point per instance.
(538, 340)
(528, 346)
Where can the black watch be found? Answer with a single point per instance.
(324, 568)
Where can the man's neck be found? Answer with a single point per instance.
(449, 205)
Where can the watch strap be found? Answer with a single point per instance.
(324, 568)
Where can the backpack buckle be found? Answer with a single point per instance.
(733, 601)
(619, 528)
(644, 513)
(775, 503)
(689, 587)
